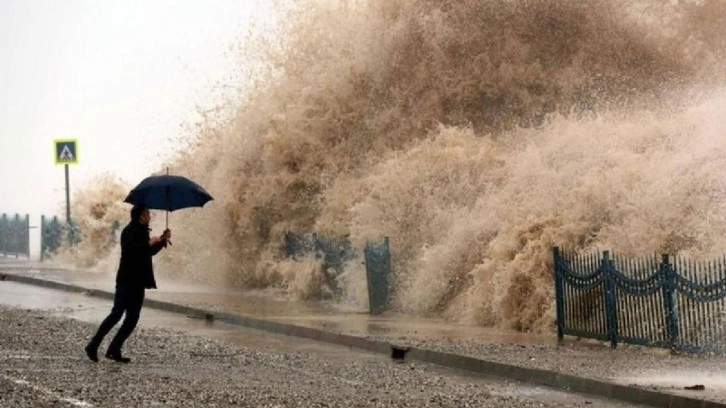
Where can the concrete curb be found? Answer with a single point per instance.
(551, 379)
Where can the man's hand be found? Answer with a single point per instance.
(166, 236)
(163, 239)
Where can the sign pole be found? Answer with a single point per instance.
(66, 153)
(68, 197)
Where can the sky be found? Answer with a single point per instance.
(122, 77)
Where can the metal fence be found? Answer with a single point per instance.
(15, 235)
(51, 236)
(335, 252)
(378, 274)
(54, 232)
(656, 301)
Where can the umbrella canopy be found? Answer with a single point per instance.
(167, 192)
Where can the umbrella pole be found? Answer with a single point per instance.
(168, 201)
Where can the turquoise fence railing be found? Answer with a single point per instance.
(53, 232)
(378, 274)
(335, 252)
(15, 235)
(51, 236)
(655, 301)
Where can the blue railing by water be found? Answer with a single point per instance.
(15, 235)
(53, 233)
(378, 274)
(656, 301)
(335, 252)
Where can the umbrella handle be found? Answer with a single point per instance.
(168, 199)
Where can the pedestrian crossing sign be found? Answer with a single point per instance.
(66, 151)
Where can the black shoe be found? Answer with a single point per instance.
(92, 353)
(117, 357)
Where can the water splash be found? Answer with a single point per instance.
(94, 209)
(476, 135)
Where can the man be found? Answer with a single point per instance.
(135, 275)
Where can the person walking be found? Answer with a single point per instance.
(135, 275)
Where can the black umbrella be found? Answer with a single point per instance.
(168, 192)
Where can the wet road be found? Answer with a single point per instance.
(328, 316)
(650, 368)
(330, 359)
(320, 315)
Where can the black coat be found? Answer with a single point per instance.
(135, 269)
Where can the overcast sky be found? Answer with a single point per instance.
(121, 76)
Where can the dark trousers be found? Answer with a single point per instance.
(128, 300)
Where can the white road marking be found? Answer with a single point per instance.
(42, 390)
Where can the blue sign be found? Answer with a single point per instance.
(66, 151)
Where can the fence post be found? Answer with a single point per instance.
(559, 294)
(71, 233)
(669, 300)
(57, 233)
(16, 235)
(4, 232)
(387, 266)
(27, 235)
(611, 311)
(115, 227)
(42, 237)
(378, 275)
